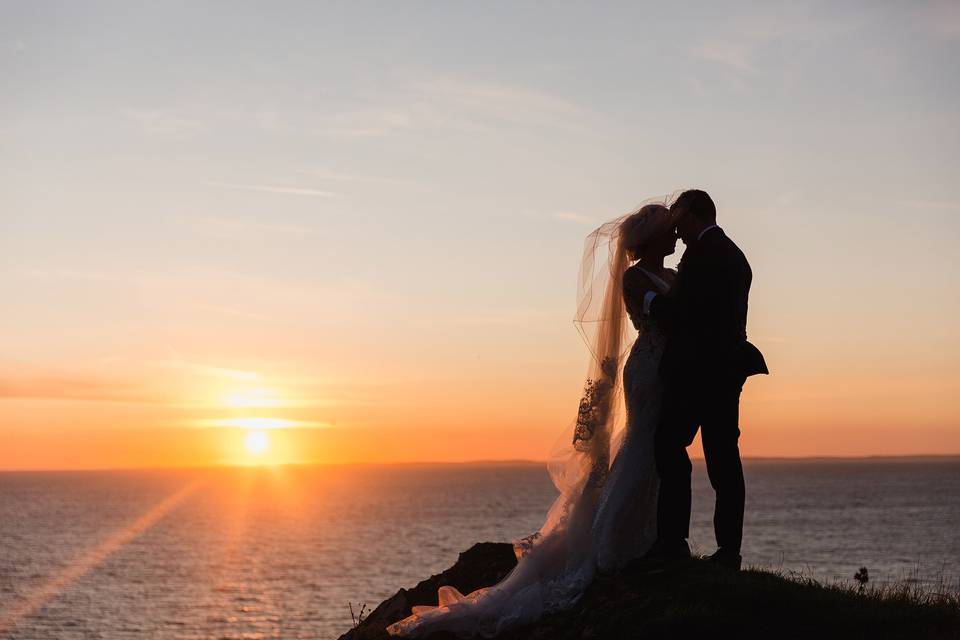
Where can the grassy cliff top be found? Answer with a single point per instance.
(694, 599)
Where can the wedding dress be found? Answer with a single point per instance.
(625, 524)
(605, 514)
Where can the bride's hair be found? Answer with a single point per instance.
(649, 222)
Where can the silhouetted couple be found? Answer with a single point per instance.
(625, 484)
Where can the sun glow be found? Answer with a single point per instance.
(258, 397)
(257, 442)
(254, 423)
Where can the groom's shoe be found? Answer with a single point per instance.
(723, 558)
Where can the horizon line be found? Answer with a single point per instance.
(504, 461)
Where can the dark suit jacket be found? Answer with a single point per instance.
(705, 315)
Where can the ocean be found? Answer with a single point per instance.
(282, 552)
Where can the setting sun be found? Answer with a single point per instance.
(257, 442)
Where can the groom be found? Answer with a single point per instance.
(704, 365)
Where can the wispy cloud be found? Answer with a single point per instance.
(742, 40)
(504, 102)
(933, 205)
(573, 216)
(363, 123)
(426, 101)
(339, 176)
(205, 369)
(162, 122)
(738, 56)
(269, 386)
(408, 101)
(266, 188)
(257, 423)
(230, 227)
(271, 120)
(60, 387)
(66, 273)
(511, 317)
(235, 312)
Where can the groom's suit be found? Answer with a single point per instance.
(704, 365)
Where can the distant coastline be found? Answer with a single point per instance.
(932, 457)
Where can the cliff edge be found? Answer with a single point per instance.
(692, 600)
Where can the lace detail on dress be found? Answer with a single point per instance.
(594, 404)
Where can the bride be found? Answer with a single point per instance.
(605, 514)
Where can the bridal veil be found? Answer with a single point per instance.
(556, 563)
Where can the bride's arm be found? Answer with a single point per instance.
(639, 289)
(636, 284)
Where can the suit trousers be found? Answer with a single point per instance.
(713, 406)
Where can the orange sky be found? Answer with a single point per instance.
(358, 230)
(471, 415)
(164, 377)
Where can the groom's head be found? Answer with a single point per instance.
(695, 212)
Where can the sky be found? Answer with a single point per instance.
(356, 227)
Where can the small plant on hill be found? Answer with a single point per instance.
(359, 617)
(863, 577)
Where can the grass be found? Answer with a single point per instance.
(699, 599)
(696, 598)
(907, 592)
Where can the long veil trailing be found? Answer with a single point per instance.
(557, 562)
(579, 462)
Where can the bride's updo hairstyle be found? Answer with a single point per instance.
(651, 221)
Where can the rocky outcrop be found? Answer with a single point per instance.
(481, 565)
